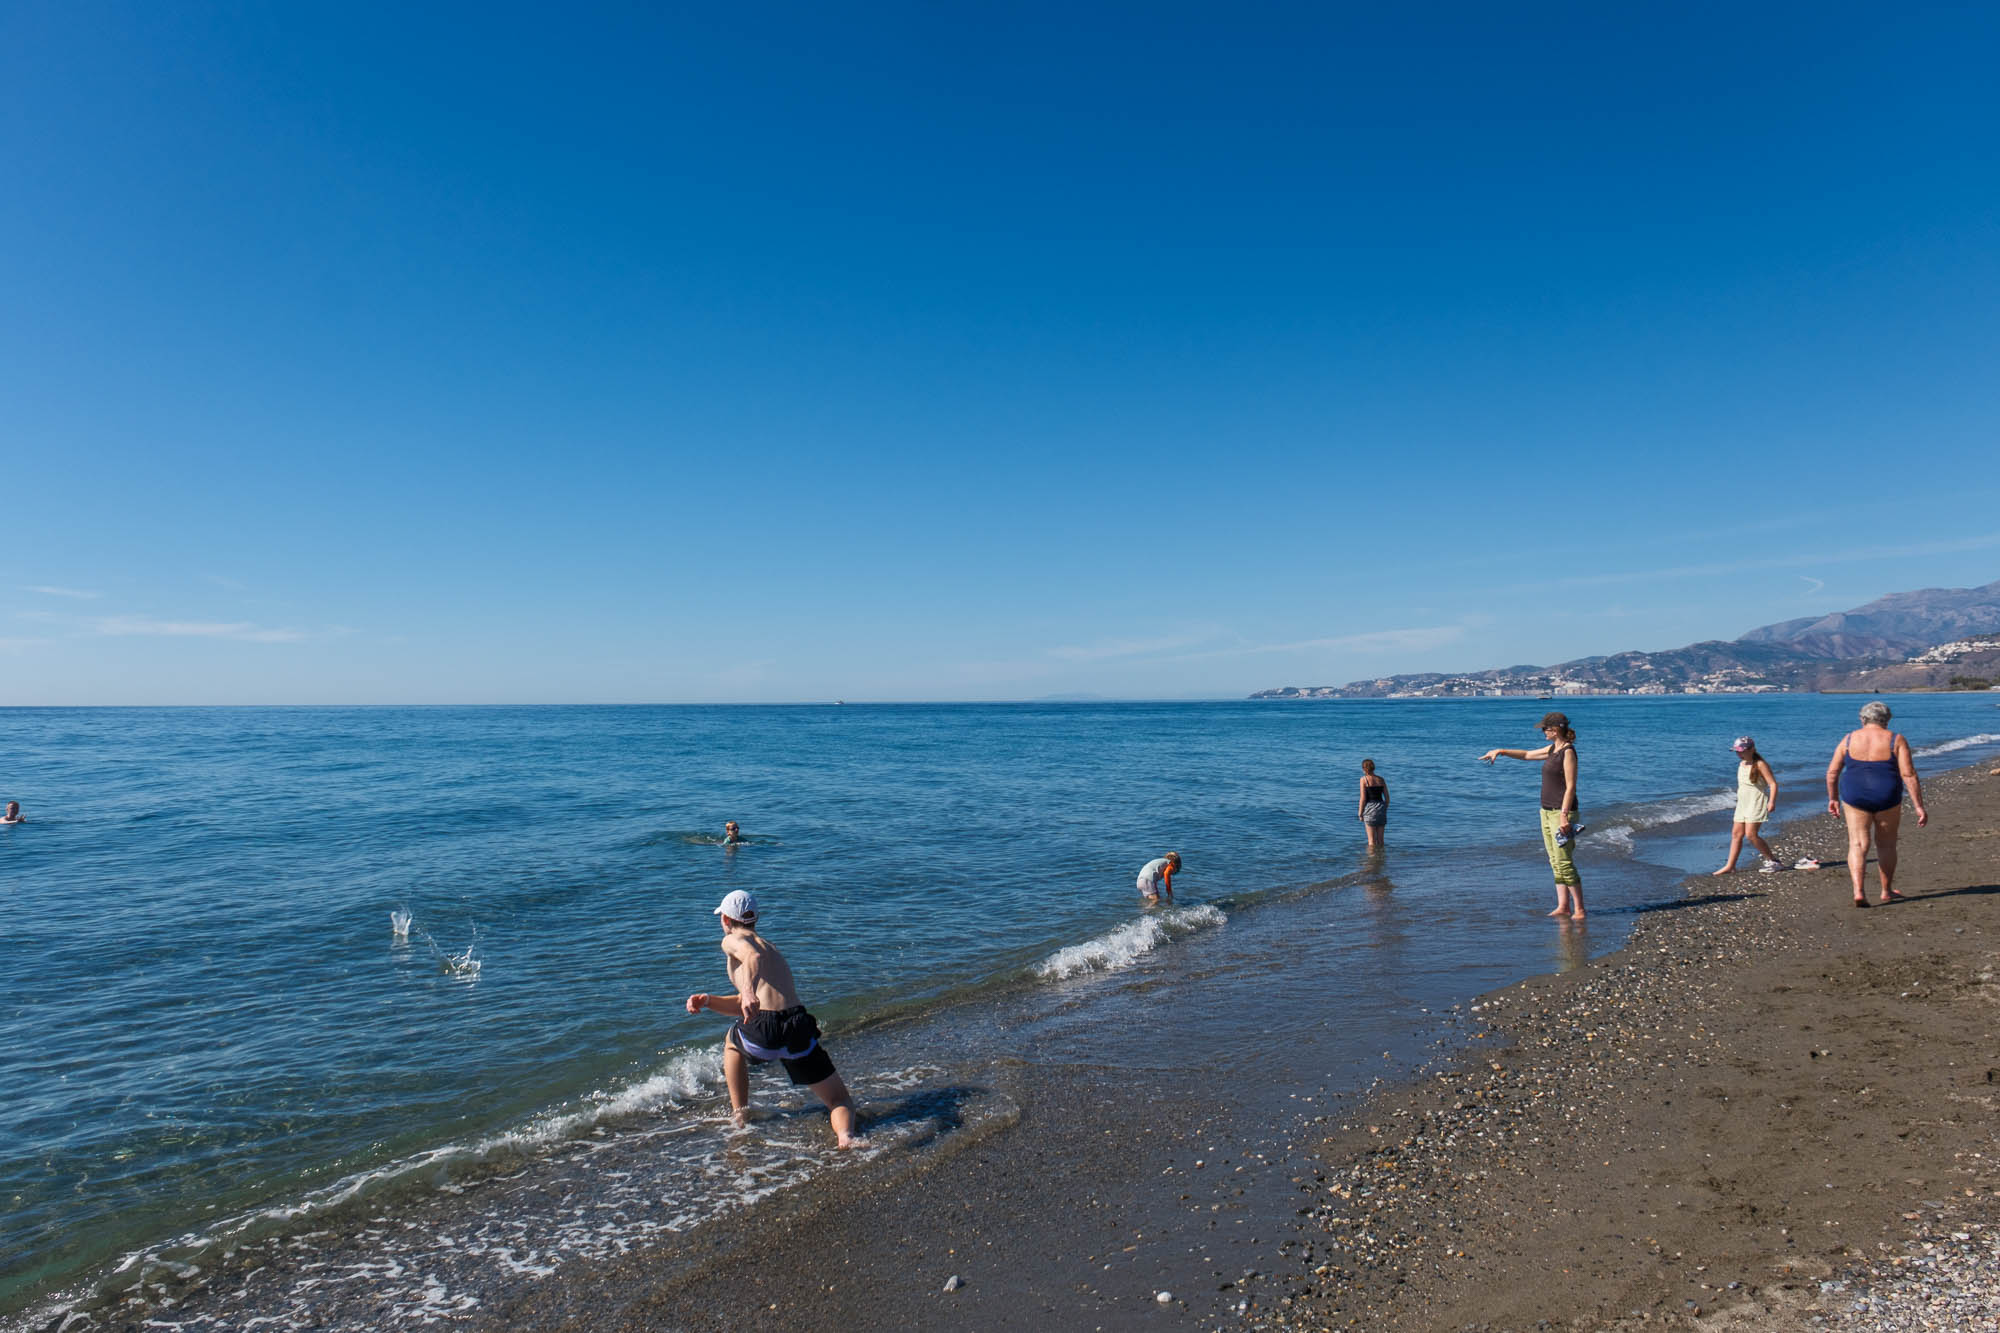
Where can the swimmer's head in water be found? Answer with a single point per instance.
(738, 905)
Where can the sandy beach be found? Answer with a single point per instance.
(1768, 1111)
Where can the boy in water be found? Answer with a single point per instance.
(1156, 877)
(731, 835)
(771, 1023)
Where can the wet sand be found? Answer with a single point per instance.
(1769, 1111)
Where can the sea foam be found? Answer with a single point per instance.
(1125, 945)
(1617, 834)
(1963, 743)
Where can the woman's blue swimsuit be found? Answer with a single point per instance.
(1873, 785)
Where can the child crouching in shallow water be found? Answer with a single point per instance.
(1156, 878)
(771, 1023)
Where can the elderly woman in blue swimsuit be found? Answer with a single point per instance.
(1865, 784)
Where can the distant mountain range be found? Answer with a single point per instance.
(1867, 648)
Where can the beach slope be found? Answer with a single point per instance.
(1770, 1110)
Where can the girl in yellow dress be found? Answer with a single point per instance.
(1753, 805)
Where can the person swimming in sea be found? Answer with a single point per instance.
(731, 835)
(1156, 877)
(13, 815)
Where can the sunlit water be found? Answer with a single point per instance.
(213, 1033)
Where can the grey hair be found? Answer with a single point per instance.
(1875, 711)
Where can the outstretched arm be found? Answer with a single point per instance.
(726, 1005)
(1542, 753)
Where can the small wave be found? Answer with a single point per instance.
(1617, 834)
(1963, 743)
(1127, 944)
(702, 838)
(687, 1077)
(1617, 837)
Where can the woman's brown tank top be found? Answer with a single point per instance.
(1553, 785)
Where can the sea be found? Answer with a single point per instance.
(353, 1017)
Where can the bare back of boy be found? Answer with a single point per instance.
(760, 972)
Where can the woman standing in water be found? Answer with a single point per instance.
(1864, 784)
(1559, 822)
(1753, 805)
(1374, 808)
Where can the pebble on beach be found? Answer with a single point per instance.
(1408, 1204)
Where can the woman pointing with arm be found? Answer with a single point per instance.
(1559, 809)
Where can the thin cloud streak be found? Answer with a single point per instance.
(1115, 648)
(1774, 562)
(48, 590)
(240, 631)
(1411, 640)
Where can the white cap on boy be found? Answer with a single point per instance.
(738, 906)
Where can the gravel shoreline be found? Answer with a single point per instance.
(1767, 1111)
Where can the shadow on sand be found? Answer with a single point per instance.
(1681, 904)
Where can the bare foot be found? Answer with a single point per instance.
(850, 1141)
(1726, 870)
(740, 1119)
(1577, 915)
(1891, 896)
(1861, 902)
(1560, 911)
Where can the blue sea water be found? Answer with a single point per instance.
(208, 1031)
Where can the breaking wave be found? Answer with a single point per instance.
(1125, 945)
(1963, 743)
(1617, 833)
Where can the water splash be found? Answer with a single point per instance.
(463, 965)
(399, 924)
(1125, 945)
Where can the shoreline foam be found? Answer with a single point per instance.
(1132, 956)
(1768, 1111)
(1090, 1216)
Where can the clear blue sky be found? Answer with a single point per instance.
(371, 353)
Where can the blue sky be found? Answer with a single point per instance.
(594, 353)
